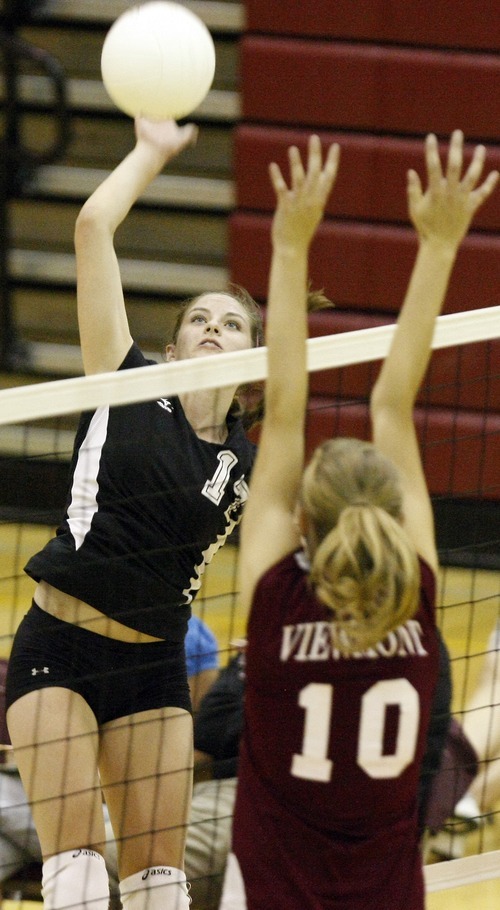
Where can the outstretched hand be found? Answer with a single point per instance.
(301, 205)
(166, 135)
(444, 211)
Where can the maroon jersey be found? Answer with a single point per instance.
(326, 811)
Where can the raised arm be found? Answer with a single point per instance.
(268, 529)
(104, 330)
(441, 216)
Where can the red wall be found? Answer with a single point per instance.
(474, 25)
(377, 77)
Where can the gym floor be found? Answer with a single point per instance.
(470, 600)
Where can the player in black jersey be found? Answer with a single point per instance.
(97, 689)
(342, 645)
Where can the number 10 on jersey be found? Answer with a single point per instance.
(317, 700)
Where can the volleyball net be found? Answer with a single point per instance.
(459, 429)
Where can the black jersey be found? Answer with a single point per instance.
(149, 504)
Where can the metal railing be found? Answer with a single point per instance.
(18, 161)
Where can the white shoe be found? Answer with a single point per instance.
(468, 811)
(449, 842)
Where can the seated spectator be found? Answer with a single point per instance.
(481, 724)
(202, 658)
(217, 731)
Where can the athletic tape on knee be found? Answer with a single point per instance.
(156, 888)
(75, 880)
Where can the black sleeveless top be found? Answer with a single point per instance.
(149, 504)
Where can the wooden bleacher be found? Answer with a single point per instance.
(173, 245)
(175, 242)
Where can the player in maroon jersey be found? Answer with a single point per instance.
(337, 568)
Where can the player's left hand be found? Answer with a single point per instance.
(301, 205)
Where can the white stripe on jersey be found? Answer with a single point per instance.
(83, 505)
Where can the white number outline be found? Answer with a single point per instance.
(317, 699)
(214, 489)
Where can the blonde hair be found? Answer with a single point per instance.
(364, 565)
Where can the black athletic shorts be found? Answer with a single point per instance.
(115, 678)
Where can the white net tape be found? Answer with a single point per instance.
(465, 871)
(68, 396)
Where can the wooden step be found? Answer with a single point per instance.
(179, 192)
(102, 141)
(78, 48)
(226, 17)
(159, 234)
(48, 360)
(46, 318)
(137, 275)
(37, 442)
(48, 314)
(90, 95)
(174, 243)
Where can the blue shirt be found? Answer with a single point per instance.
(202, 649)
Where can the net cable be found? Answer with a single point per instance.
(65, 396)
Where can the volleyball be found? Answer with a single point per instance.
(158, 61)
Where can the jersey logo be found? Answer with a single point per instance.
(165, 404)
(214, 489)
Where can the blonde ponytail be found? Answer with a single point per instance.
(366, 570)
(364, 565)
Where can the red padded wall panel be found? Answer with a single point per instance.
(461, 452)
(378, 77)
(464, 377)
(371, 184)
(366, 267)
(368, 87)
(347, 382)
(467, 376)
(476, 24)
